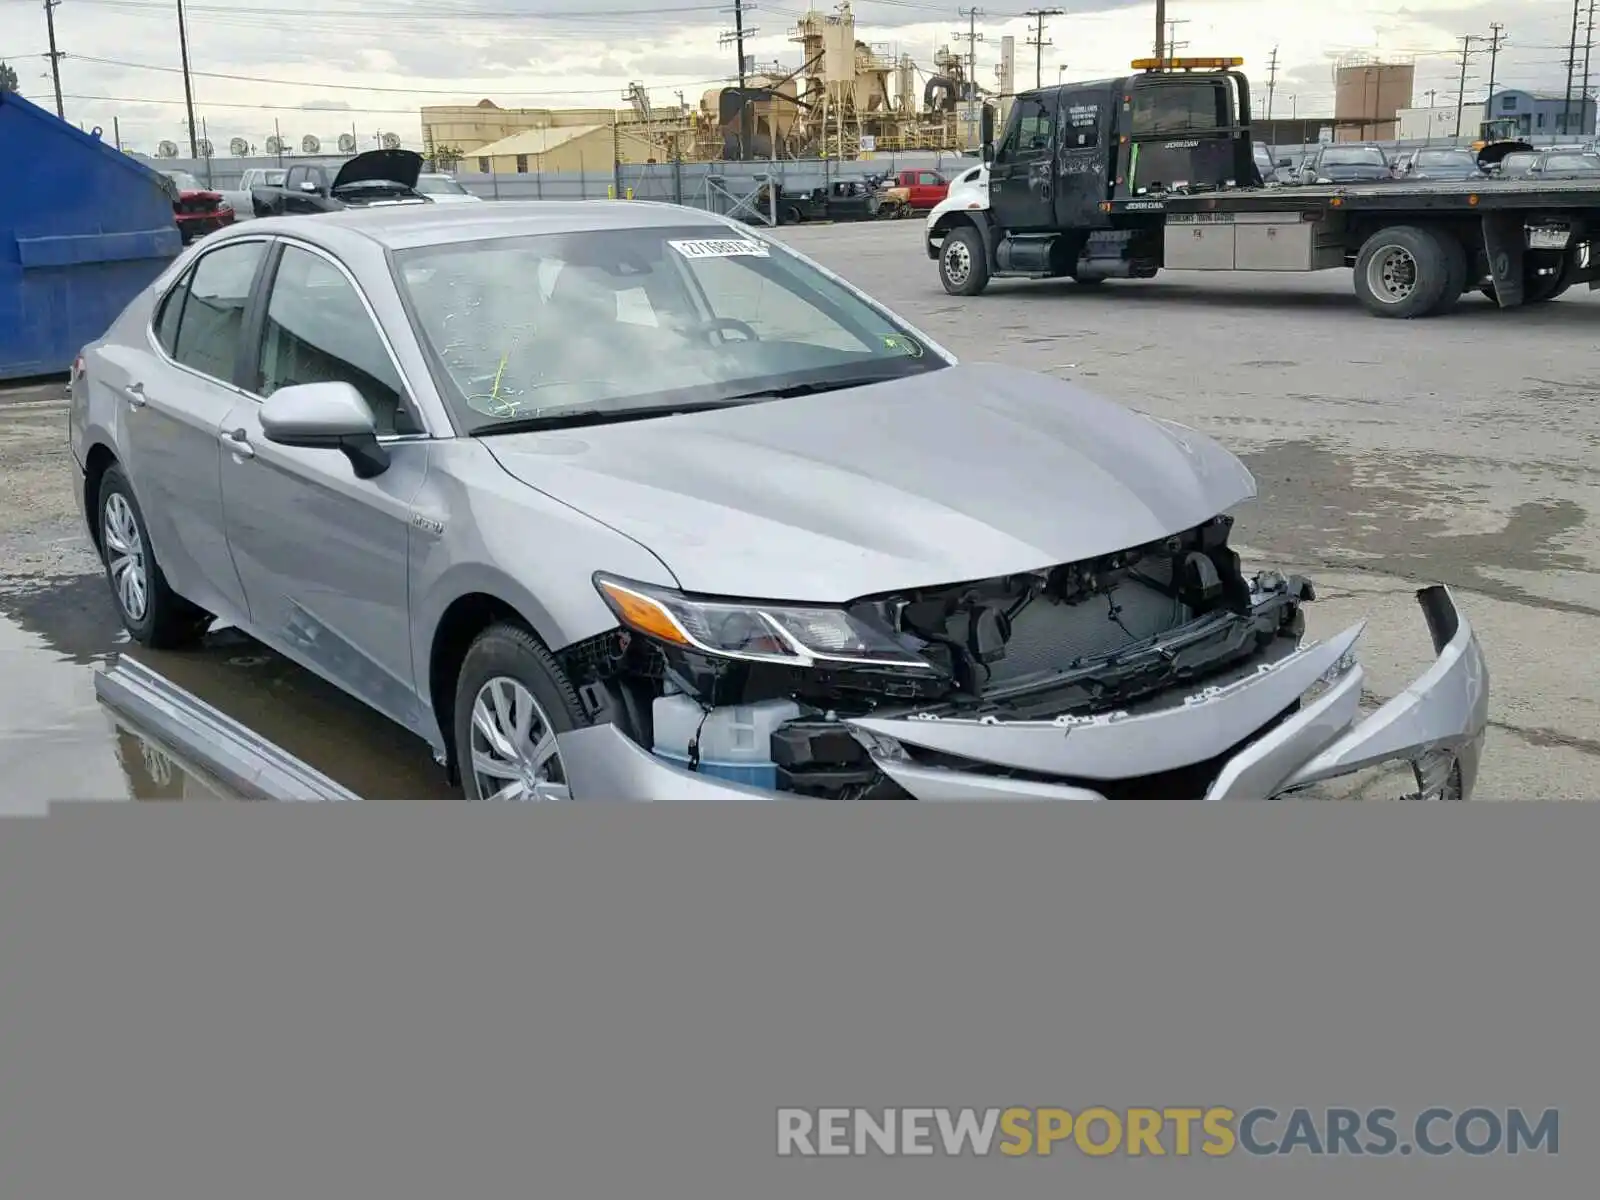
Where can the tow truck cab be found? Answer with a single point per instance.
(1074, 174)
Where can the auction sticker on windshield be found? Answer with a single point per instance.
(727, 248)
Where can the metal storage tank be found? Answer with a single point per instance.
(1368, 97)
(83, 229)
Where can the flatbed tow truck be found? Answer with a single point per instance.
(1121, 178)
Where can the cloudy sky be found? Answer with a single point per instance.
(329, 66)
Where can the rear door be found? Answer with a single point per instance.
(176, 405)
(1022, 176)
(1082, 173)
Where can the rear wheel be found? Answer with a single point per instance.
(1539, 288)
(153, 614)
(1404, 272)
(963, 262)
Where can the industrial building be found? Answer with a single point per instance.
(1539, 114)
(1427, 124)
(848, 99)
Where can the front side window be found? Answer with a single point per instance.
(1030, 136)
(318, 331)
(212, 322)
(638, 319)
(928, 179)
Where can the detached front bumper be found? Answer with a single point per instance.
(1437, 725)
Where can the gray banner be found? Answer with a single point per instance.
(615, 1001)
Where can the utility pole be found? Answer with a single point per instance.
(1430, 94)
(1496, 35)
(1272, 81)
(1461, 90)
(737, 39)
(188, 86)
(1038, 40)
(1161, 28)
(55, 55)
(972, 37)
(1588, 49)
(1572, 66)
(1173, 45)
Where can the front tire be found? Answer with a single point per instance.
(1404, 271)
(512, 702)
(964, 262)
(153, 614)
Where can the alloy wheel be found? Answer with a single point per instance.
(513, 746)
(125, 557)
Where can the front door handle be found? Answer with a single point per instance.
(135, 394)
(238, 443)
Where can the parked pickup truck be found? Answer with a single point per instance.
(239, 198)
(924, 189)
(376, 177)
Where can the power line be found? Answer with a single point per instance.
(55, 55)
(1038, 41)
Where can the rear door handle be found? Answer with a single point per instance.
(135, 394)
(237, 442)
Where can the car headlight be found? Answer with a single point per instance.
(795, 635)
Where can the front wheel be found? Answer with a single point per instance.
(963, 262)
(512, 703)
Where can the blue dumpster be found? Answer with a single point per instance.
(83, 228)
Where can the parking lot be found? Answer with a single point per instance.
(1463, 450)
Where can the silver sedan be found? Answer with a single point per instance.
(627, 500)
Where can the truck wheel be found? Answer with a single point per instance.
(1460, 269)
(1403, 272)
(963, 262)
(1539, 289)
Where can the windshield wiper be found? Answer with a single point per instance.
(814, 387)
(577, 418)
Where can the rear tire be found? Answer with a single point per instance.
(1403, 272)
(1459, 265)
(153, 614)
(511, 681)
(964, 262)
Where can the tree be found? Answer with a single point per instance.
(8, 77)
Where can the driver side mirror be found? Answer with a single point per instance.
(986, 132)
(326, 416)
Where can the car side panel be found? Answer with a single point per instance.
(477, 530)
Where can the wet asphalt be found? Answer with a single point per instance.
(1463, 450)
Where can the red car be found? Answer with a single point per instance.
(198, 210)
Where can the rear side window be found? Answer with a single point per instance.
(1179, 108)
(212, 322)
(169, 314)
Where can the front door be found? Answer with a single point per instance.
(1082, 172)
(323, 554)
(1022, 176)
(174, 405)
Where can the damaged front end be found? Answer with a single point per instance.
(1159, 672)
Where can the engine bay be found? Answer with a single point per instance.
(1066, 641)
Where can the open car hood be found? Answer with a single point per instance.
(962, 473)
(381, 166)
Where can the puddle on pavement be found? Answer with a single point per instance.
(57, 741)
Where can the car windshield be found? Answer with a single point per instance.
(575, 326)
(185, 181)
(437, 185)
(1355, 156)
(1571, 162)
(1446, 158)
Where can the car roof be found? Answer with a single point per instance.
(402, 227)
